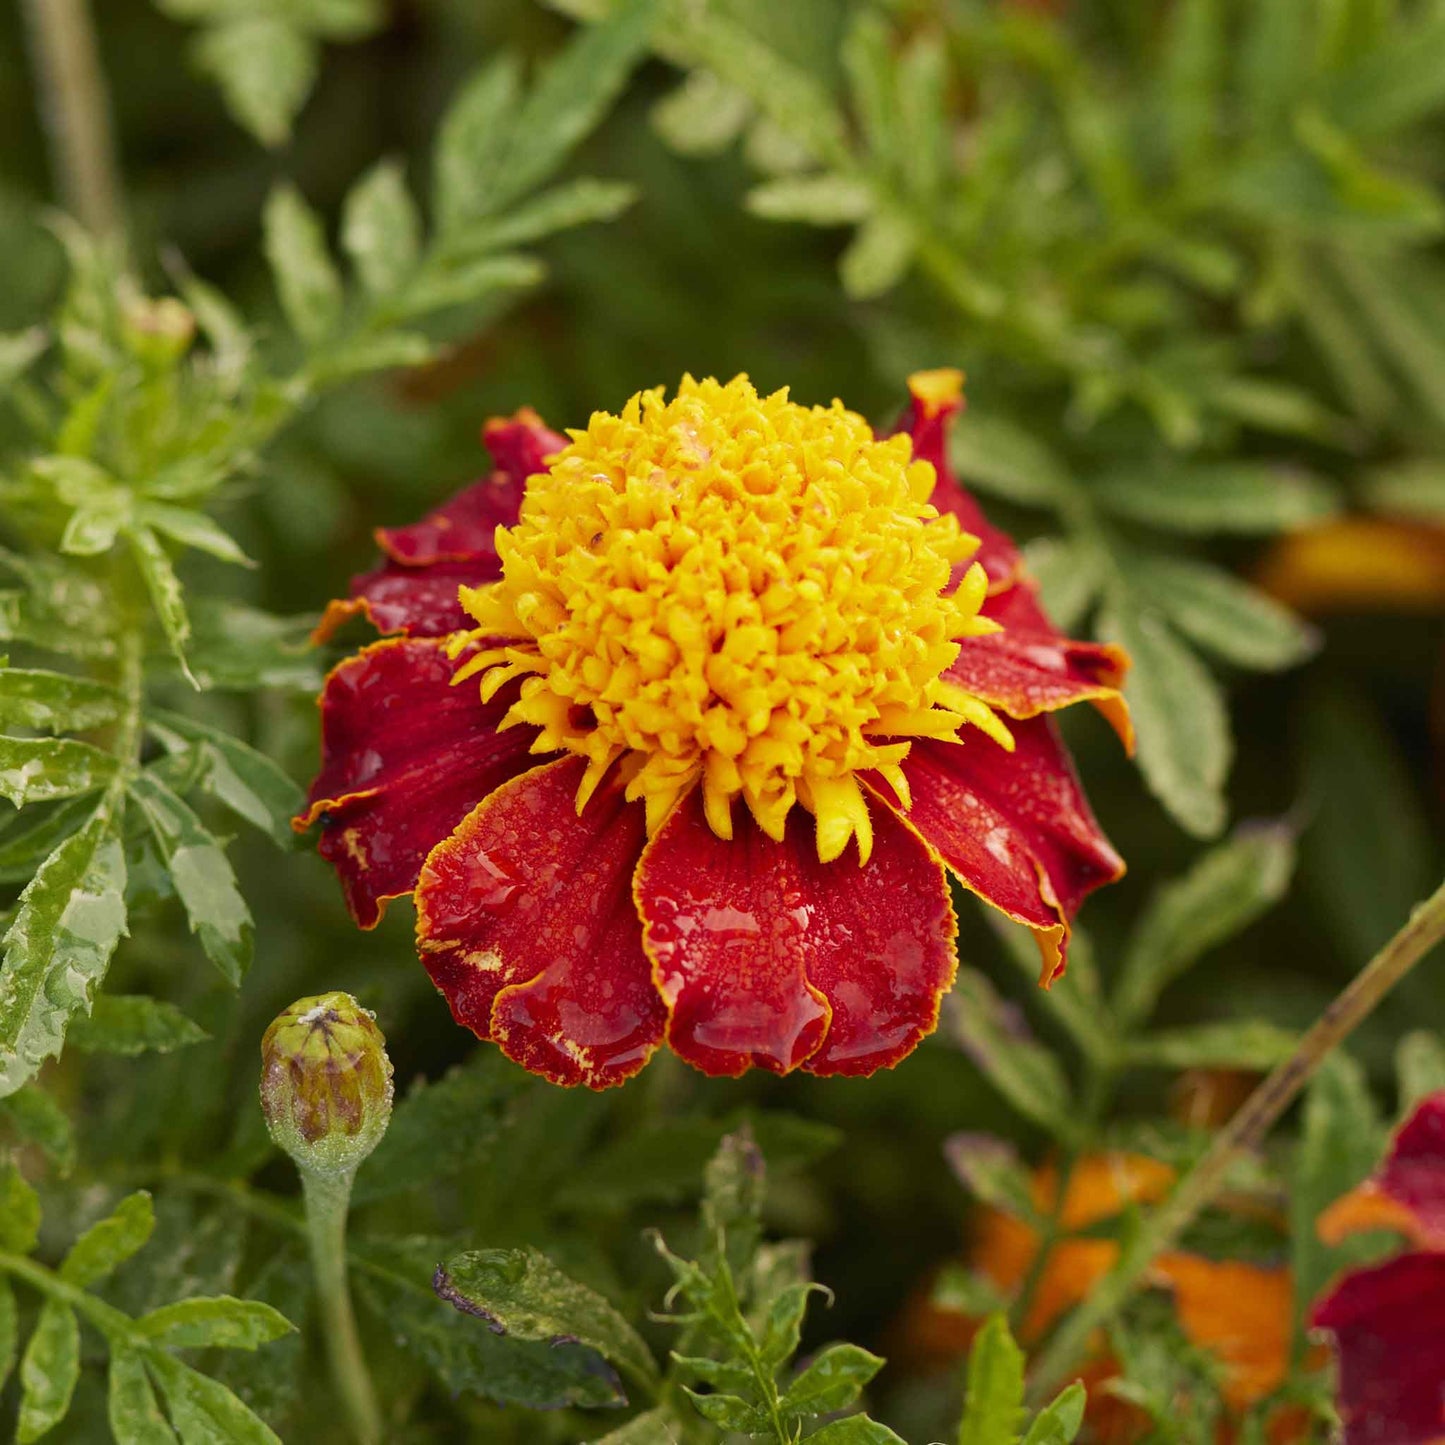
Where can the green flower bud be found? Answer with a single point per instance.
(326, 1082)
(157, 332)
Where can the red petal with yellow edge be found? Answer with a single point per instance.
(1407, 1192)
(1389, 1329)
(1014, 827)
(525, 921)
(405, 757)
(1031, 667)
(419, 601)
(936, 398)
(768, 958)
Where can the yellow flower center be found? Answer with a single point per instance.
(734, 592)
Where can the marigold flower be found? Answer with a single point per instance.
(1388, 1321)
(682, 724)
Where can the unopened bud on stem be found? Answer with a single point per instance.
(326, 1083)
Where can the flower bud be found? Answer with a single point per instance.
(157, 332)
(326, 1082)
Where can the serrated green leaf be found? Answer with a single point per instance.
(1219, 612)
(36, 834)
(377, 351)
(1419, 1067)
(731, 1412)
(306, 278)
(49, 1369)
(855, 1430)
(878, 257)
(1184, 743)
(472, 143)
(702, 115)
(381, 228)
(203, 1410)
(70, 918)
(994, 1388)
(989, 1168)
(832, 1380)
(572, 203)
(1060, 1422)
(204, 878)
(165, 590)
(1204, 498)
(265, 68)
(110, 1242)
(522, 1293)
(238, 648)
(1225, 891)
(130, 1024)
(35, 1116)
(1070, 579)
(135, 1417)
(437, 288)
(19, 1212)
(1020, 1068)
(54, 701)
(219, 1322)
(998, 456)
(40, 770)
(655, 1427)
(192, 529)
(1238, 1044)
(826, 199)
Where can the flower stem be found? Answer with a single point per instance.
(1245, 1131)
(327, 1197)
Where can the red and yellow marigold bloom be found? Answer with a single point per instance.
(682, 724)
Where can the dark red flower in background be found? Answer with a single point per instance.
(645, 689)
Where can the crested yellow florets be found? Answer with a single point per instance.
(737, 592)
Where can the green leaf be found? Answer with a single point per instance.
(994, 1390)
(1228, 617)
(217, 1321)
(1020, 1068)
(1392, 84)
(49, 1369)
(93, 527)
(165, 590)
(571, 203)
(192, 529)
(306, 279)
(1061, 1421)
(19, 1212)
(999, 456)
(472, 143)
(655, 1427)
(9, 1328)
(36, 834)
(440, 1128)
(1204, 498)
(701, 116)
(1419, 1066)
(833, 1380)
(989, 1168)
(878, 257)
(572, 95)
(1238, 1044)
(240, 649)
(856, 1430)
(265, 68)
(825, 199)
(19, 350)
(1413, 488)
(36, 1116)
(110, 1242)
(1222, 894)
(204, 878)
(204, 1410)
(70, 918)
(435, 289)
(731, 1413)
(131, 1024)
(1070, 578)
(54, 701)
(381, 229)
(39, 770)
(135, 1417)
(520, 1292)
(395, 1280)
(1184, 744)
(1340, 1141)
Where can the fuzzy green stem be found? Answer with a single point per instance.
(327, 1199)
(76, 112)
(1244, 1132)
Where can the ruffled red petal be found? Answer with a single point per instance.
(936, 398)
(1031, 667)
(1015, 828)
(526, 924)
(405, 757)
(1389, 1329)
(768, 958)
(417, 601)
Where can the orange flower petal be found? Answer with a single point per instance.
(1358, 564)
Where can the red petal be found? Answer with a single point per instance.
(1389, 1328)
(417, 601)
(936, 398)
(526, 924)
(1031, 667)
(768, 958)
(1015, 827)
(405, 757)
(521, 445)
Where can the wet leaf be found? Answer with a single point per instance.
(49, 1369)
(110, 1242)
